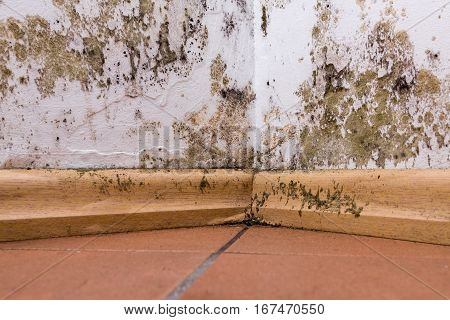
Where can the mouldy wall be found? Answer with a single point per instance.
(353, 84)
(271, 84)
(109, 83)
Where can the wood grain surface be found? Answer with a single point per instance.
(52, 203)
(399, 204)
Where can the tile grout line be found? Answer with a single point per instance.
(331, 255)
(180, 289)
(104, 250)
(71, 253)
(202, 251)
(390, 260)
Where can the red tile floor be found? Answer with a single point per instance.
(227, 262)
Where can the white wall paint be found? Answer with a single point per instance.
(284, 61)
(99, 127)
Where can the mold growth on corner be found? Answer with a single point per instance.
(220, 139)
(363, 108)
(302, 198)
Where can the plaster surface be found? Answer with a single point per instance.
(267, 84)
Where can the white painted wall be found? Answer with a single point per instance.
(100, 126)
(284, 61)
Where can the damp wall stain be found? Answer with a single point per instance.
(264, 20)
(75, 45)
(294, 194)
(206, 84)
(219, 139)
(266, 7)
(366, 101)
(83, 82)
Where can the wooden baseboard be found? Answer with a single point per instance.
(54, 203)
(399, 204)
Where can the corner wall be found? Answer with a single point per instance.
(268, 84)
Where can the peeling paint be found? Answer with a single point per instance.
(220, 139)
(100, 59)
(362, 106)
(270, 84)
(76, 45)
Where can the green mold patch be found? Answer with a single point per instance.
(108, 184)
(298, 195)
(323, 200)
(427, 84)
(266, 7)
(93, 50)
(220, 139)
(5, 74)
(33, 40)
(258, 201)
(146, 7)
(378, 114)
(217, 75)
(52, 48)
(166, 54)
(124, 184)
(281, 4)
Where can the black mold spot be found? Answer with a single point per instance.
(264, 21)
(33, 38)
(229, 25)
(204, 184)
(330, 200)
(138, 114)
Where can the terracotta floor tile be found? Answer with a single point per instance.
(19, 267)
(205, 239)
(117, 266)
(265, 263)
(183, 239)
(398, 248)
(113, 275)
(249, 276)
(52, 244)
(268, 240)
(435, 272)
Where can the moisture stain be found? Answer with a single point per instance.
(302, 198)
(360, 116)
(264, 20)
(219, 140)
(48, 51)
(204, 183)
